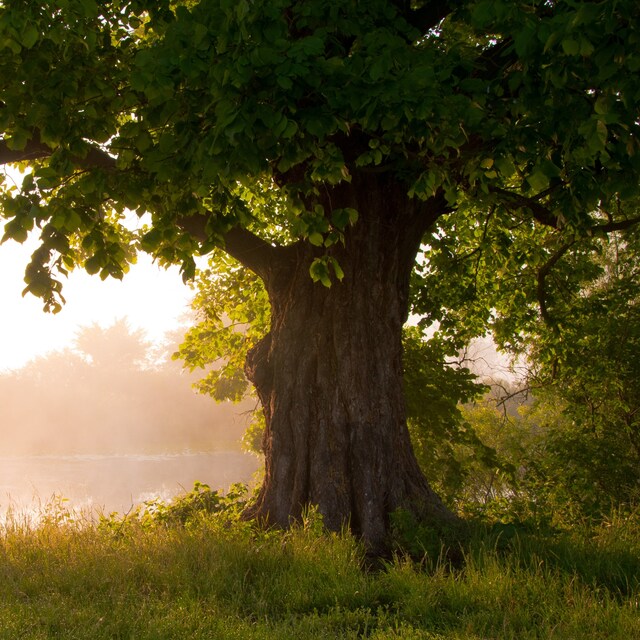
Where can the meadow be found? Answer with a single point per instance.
(183, 571)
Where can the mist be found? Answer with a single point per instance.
(111, 421)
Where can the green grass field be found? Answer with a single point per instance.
(71, 579)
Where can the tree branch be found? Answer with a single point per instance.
(540, 212)
(250, 250)
(35, 149)
(95, 158)
(247, 248)
(544, 271)
(545, 217)
(621, 225)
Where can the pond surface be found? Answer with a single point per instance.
(104, 483)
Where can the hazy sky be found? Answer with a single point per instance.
(150, 297)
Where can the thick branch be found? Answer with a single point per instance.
(545, 217)
(621, 225)
(95, 158)
(35, 149)
(250, 250)
(247, 248)
(544, 271)
(540, 212)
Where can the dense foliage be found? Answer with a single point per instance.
(240, 112)
(569, 313)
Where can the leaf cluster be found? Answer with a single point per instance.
(188, 508)
(566, 305)
(245, 114)
(232, 315)
(435, 388)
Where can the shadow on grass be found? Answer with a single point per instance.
(606, 556)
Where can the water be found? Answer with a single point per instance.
(103, 483)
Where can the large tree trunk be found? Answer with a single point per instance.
(329, 374)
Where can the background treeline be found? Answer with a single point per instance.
(111, 392)
(559, 442)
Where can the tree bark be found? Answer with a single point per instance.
(329, 373)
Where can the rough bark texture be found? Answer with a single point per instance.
(329, 373)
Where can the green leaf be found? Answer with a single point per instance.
(284, 82)
(552, 40)
(505, 166)
(337, 269)
(291, 130)
(30, 36)
(319, 272)
(15, 231)
(143, 141)
(316, 239)
(340, 218)
(596, 135)
(93, 265)
(550, 169)
(601, 106)
(483, 14)
(538, 180)
(89, 8)
(46, 173)
(18, 140)
(525, 40)
(570, 46)
(586, 47)
(312, 45)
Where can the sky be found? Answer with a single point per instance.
(150, 297)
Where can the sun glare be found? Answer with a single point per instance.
(151, 298)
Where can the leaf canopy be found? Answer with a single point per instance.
(219, 116)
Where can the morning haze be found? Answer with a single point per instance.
(108, 411)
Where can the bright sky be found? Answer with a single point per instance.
(151, 298)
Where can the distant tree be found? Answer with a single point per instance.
(116, 347)
(102, 395)
(320, 144)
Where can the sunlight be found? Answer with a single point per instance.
(151, 298)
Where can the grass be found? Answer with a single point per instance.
(205, 578)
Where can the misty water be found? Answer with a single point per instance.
(103, 483)
(111, 423)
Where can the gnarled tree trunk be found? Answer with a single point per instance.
(329, 373)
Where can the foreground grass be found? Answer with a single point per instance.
(209, 579)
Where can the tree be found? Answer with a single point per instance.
(115, 348)
(318, 144)
(584, 358)
(232, 315)
(109, 393)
